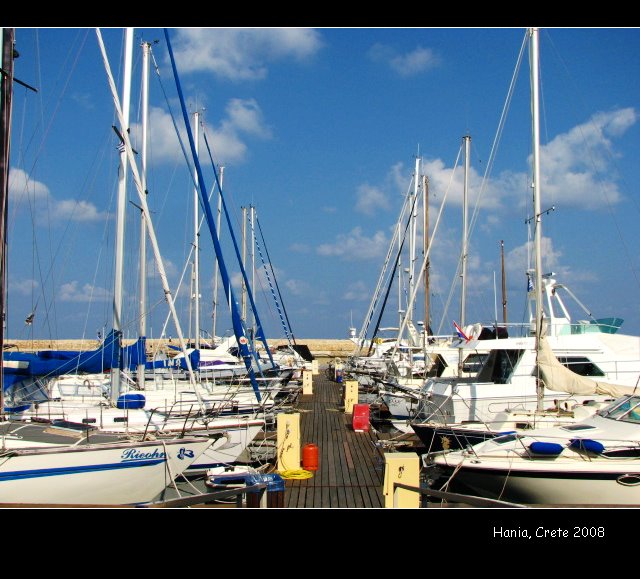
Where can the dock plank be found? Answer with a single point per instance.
(349, 473)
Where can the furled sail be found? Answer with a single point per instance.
(559, 378)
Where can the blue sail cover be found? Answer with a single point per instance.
(26, 373)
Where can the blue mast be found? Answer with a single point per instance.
(238, 326)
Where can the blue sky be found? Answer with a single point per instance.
(319, 129)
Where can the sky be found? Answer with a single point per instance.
(319, 130)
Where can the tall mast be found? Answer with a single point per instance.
(244, 263)
(215, 274)
(425, 245)
(413, 235)
(252, 216)
(537, 214)
(465, 202)
(121, 205)
(400, 310)
(504, 286)
(145, 212)
(196, 244)
(142, 324)
(5, 140)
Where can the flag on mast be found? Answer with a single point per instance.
(460, 333)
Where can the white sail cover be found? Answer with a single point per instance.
(559, 378)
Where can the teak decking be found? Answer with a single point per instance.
(350, 467)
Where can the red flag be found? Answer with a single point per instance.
(460, 333)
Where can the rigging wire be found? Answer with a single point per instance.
(630, 253)
(381, 279)
(282, 312)
(488, 168)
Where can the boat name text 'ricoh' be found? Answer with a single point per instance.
(133, 454)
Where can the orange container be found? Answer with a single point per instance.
(310, 457)
(360, 420)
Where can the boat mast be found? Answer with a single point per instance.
(425, 245)
(145, 212)
(400, 310)
(142, 325)
(215, 274)
(196, 244)
(252, 216)
(463, 295)
(535, 118)
(120, 212)
(5, 139)
(244, 263)
(412, 238)
(504, 286)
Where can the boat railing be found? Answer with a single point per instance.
(448, 497)
(254, 496)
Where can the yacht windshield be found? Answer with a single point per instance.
(626, 409)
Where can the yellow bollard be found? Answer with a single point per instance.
(288, 441)
(350, 395)
(401, 467)
(307, 382)
(314, 367)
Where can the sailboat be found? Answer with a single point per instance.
(48, 464)
(507, 393)
(447, 358)
(181, 404)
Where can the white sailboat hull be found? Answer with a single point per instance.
(228, 448)
(110, 474)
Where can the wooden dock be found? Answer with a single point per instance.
(350, 466)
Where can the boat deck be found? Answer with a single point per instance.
(350, 466)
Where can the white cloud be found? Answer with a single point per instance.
(163, 141)
(300, 247)
(329, 209)
(355, 246)
(84, 100)
(243, 117)
(444, 180)
(357, 291)
(22, 187)
(577, 170)
(408, 64)
(399, 177)
(69, 209)
(241, 54)
(572, 162)
(520, 259)
(297, 287)
(23, 287)
(169, 267)
(369, 199)
(70, 292)
(20, 184)
(236, 281)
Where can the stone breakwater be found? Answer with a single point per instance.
(320, 348)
